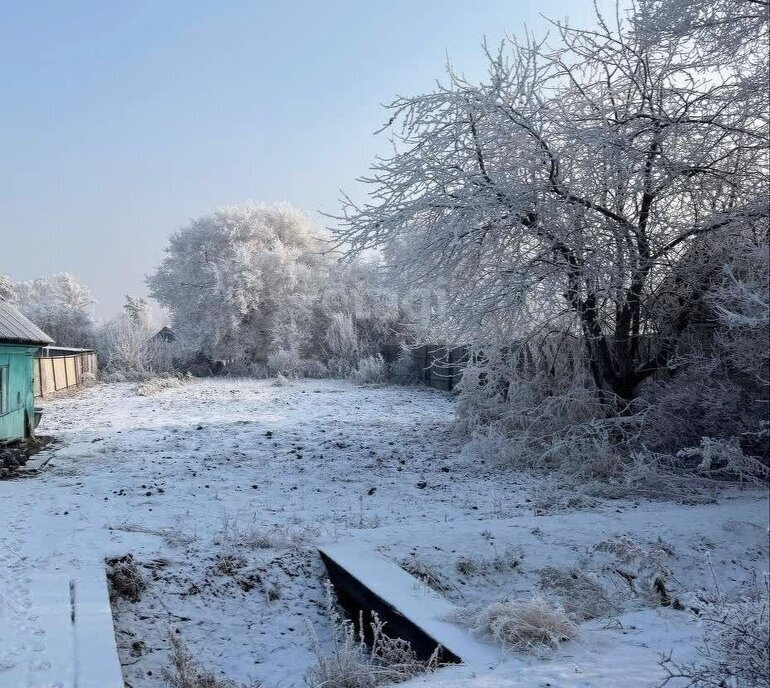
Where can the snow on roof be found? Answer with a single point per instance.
(17, 329)
(66, 350)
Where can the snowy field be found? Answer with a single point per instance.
(219, 489)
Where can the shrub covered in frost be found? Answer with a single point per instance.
(291, 364)
(404, 370)
(370, 369)
(735, 649)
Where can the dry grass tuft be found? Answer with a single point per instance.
(622, 547)
(528, 626)
(125, 578)
(158, 384)
(251, 536)
(229, 564)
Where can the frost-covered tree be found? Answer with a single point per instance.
(127, 347)
(241, 282)
(138, 310)
(357, 312)
(61, 305)
(561, 196)
(7, 291)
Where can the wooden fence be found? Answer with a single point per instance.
(439, 366)
(57, 372)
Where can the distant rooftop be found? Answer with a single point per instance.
(165, 334)
(17, 329)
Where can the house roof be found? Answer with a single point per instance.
(165, 334)
(17, 329)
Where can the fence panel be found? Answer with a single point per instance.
(60, 373)
(72, 378)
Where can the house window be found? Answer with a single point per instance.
(3, 389)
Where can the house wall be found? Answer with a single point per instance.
(16, 367)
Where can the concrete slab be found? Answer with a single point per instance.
(77, 647)
(413, 611)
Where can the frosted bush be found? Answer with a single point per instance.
(538, 411)
(404, 370)
(342, 344)
(735, 649)
(528, 625)
(538, 405)
(289, 363)
(369, 370)
(702, 399)
(724, 457)
(281, 380)
(127, 349)
(514, 411)
(61, 305)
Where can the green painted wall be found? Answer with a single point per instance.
(16, 368)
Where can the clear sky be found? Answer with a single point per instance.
(122, 120)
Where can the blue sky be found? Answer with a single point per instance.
(123, 120)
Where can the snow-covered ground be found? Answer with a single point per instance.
(220, 489)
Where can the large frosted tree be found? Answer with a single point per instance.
(241, 282)
(61, 305)
(580, 189)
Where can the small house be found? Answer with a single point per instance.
(164, 334)
(20, 340)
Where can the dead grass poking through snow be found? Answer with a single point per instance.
(158, 384)
(173, 537)
(526, 625)
(229, 564)
(415, 567)
(510, 559)
(250, 536)
(186, 672)
(583, 597)
(125, 578)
